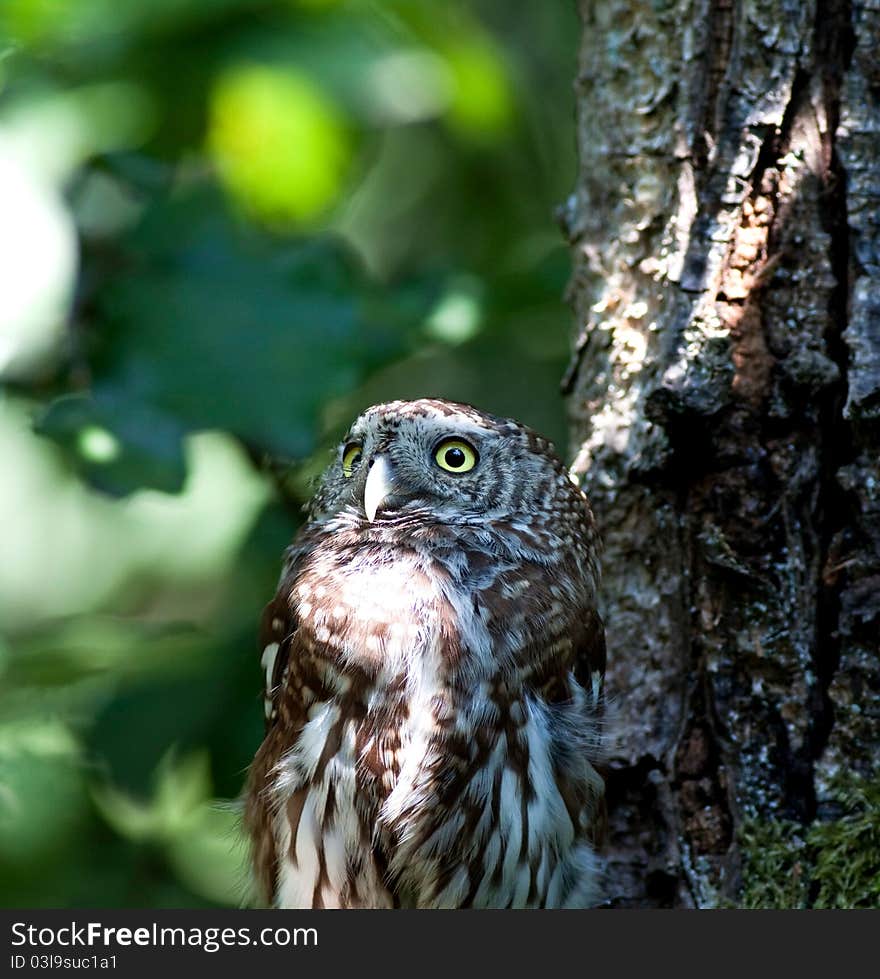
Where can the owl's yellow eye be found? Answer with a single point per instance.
(350, 459)
(455, 456)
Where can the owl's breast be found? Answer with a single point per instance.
(413, 735)
(374, 609)
(376, 640)
(368, 684)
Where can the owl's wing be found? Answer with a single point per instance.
(277, 634)
(589, 655)
(277, 629)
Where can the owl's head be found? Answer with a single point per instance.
(439, 462)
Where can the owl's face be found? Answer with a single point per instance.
(436, 461)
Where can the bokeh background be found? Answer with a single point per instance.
(226, 226)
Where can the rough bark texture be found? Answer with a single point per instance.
(725, 405)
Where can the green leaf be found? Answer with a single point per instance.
(119, 445)
(217, 327)
(181, 785)
(42, 795)
(281, 147)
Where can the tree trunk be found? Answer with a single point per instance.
(725, 407)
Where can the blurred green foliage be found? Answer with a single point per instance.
(227, 227)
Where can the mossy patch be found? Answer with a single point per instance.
(829, 864)
(847, 850)
(776, 864)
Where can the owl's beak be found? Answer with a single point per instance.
(379, 486)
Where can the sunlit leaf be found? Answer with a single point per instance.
(201, 837)
(38, 256)
(410, 85)
(458, 315)
(53, 132)
(42, 797)
(482, 103)
(31, 21)
(281, 147)
(68, 551)
(181, 785)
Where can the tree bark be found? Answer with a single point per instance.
(725, 409)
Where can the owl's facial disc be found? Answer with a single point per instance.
(429, 463)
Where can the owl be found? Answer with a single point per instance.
(434, 667)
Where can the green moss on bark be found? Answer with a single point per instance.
(847, 850)
(832, 863)
(775, 864)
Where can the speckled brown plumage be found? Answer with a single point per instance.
(434, 665)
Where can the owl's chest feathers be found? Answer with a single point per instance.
(395, 616)
(413, 737)
(385, 639)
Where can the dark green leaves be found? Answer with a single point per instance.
(210, 324)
